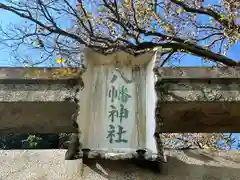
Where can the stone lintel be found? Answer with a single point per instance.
(198, 72)
(199, 99)
(36, 117)
(34, 73)
(181, 165)
(196, 117)
(38, 100)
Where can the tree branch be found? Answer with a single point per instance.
(95, 34)
(197, 50)
(166, 59)
(206, 11)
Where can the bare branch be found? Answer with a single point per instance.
(166, 59)
(205, 11)
(113, 26)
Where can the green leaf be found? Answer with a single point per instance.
(101, 9)
(158, 48)
(211, 21)
(180, 11)
(222, 17)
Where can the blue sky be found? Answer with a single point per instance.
(6, 18)
(6, 61)
(237, 143)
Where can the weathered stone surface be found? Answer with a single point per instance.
(13, 73)
(38, 100)
(199, 72)
(120, 154)
(199, 99)
(36, 117)
(201, 117)
(35, 92)
(181, 165)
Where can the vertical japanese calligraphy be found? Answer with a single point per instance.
(118, 110)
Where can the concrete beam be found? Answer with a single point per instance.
(37, 100)
(199, 99)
